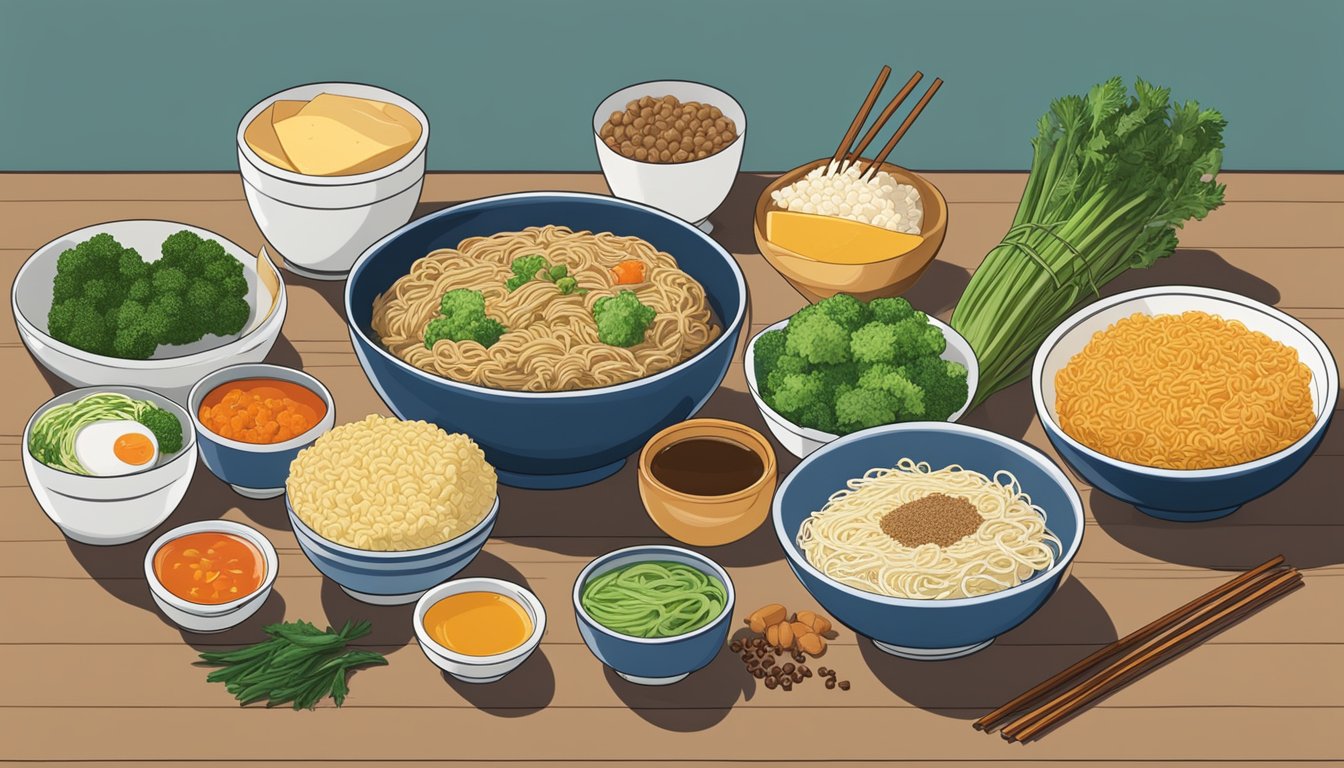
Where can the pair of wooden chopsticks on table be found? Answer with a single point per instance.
(1033, 713)
(844, 155)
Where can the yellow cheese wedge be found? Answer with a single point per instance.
(260, 136)
(323, 146)
(835, 240)
(285, 108)
(386, 124)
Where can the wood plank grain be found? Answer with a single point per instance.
(169, 733)
(569, 676)
(956, 186)
(1100, 601)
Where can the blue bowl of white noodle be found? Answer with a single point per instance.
(953, 600)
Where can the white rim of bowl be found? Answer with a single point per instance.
(648, 553)
(493, 586)
(188, 435)
(741, 132)
(400, 164)
(816, 435)
(392, 554)
(737, 319)
(1331, 384)
(280, 372)
(798, 558)
(152, 363)
(264, 545)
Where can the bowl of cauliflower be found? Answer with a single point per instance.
(843, 365)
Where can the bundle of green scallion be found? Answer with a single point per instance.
(299, 664)
(1112, 177)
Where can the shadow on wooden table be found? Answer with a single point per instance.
(527, 689)
(700, 701)
(972, 685)
(1299, 519)
(607, 515)
(1201, 267)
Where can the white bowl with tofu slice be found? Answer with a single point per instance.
(329, 169)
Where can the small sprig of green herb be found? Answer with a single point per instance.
(299, 663)
(533, 266)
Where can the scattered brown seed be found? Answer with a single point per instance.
(824, 671)
(775, 670)
(797, 677)
(830, 683)
(786, 684)
(758, 673)
(735, 647)
(789, 667)
(771, 681)
(806, 670)
(844, 685)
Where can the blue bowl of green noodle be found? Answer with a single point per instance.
(693, 590)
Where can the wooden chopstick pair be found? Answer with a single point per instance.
(1116, 665)
(844, 155)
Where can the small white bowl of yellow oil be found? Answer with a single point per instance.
(478, 630)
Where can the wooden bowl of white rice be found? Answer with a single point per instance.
(891, 202)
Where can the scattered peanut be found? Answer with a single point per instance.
(772, 634)
(812, 643)
(806, 617)
(821, 625)
(785, 634)
(766, 616)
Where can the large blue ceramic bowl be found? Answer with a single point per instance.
(549, 439)
(396, 577)
(1184, 495)
(647, 660)
(257, 471)
(928, 629)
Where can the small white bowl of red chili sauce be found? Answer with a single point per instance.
(252, 420)
(212, 575)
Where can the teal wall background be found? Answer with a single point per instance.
(511, 84)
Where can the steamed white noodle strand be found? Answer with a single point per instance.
(845, 540)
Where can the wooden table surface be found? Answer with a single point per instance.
(93, 675)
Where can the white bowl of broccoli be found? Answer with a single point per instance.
(842, 365)
(152, 304)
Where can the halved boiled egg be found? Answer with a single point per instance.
(116, 447)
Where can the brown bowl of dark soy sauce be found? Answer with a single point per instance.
(707, 482)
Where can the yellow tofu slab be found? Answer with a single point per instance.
(835, 240)
(323, 146)
(385, 123)
(286, 108)
(261, 137)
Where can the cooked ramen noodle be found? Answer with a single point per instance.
(850, 539)
(1187, 391)
(550, 339)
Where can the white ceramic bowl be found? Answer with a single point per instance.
(479, 669)
(801, 441)
(321, 224)
(173, 369)
(1184, 495)
(195, 617)
(111, 510)
(691, 190)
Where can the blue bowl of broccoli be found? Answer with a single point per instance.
(548, 439)
(843, 365)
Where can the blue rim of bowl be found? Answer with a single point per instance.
(148, 364)
(400, 164)
(258, 539)
(1330, 386)
(741, 132)
(816, 435)
(494, 587)
(393, 554)
(188, 435)
(798, 558)
(307, 380)
(653, 550)
(597, 391)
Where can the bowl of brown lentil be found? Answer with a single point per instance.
(672, 144)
